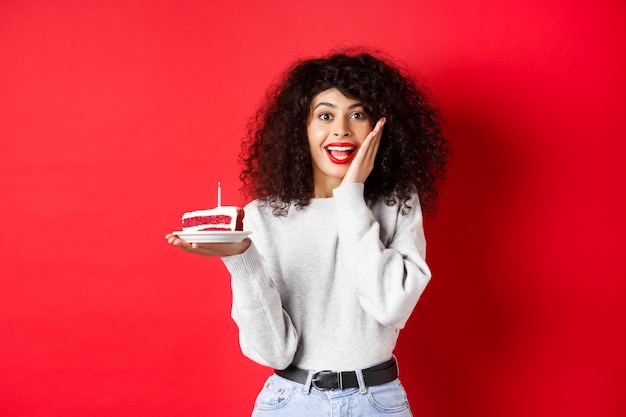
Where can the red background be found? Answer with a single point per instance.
(115, 117)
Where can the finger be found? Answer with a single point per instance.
(178, 242)
(199, 249)
(378, 127)
(378, 130)
(213, 249)
(369, 147)
(376, 133)
(379, 133)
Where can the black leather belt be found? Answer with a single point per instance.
(329, 380)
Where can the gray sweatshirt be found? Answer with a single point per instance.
(329, 286)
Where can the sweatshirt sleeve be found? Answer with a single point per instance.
(389, 277)
(266, 333)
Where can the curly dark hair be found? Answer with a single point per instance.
(412, 155)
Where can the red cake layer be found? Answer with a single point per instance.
(207, 220)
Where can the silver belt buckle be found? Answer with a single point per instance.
(319, 377)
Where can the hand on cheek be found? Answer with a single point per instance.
(363, 163)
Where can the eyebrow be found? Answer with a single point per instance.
(325, 103)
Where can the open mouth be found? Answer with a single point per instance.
(340, 153)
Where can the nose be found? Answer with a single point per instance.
(342, 129)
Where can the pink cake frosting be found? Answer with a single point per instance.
(225, 218)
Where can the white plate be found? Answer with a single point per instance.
(212, 236)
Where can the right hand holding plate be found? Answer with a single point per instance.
(209, 249)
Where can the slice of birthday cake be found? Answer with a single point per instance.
(224, 218)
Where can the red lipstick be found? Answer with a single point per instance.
(340, 152)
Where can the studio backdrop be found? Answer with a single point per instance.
(118, 116)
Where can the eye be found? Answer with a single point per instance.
(358, 115)
(325, 116)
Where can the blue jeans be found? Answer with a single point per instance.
(281, 397)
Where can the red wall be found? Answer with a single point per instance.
(115, 117)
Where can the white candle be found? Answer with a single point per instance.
(219, 194)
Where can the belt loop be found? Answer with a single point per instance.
(306, 389)
(361, 380)
(397, 365)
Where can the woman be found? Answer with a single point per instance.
(339, 162)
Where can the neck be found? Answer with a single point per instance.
(324, 189)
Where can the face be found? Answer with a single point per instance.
(336, 127)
